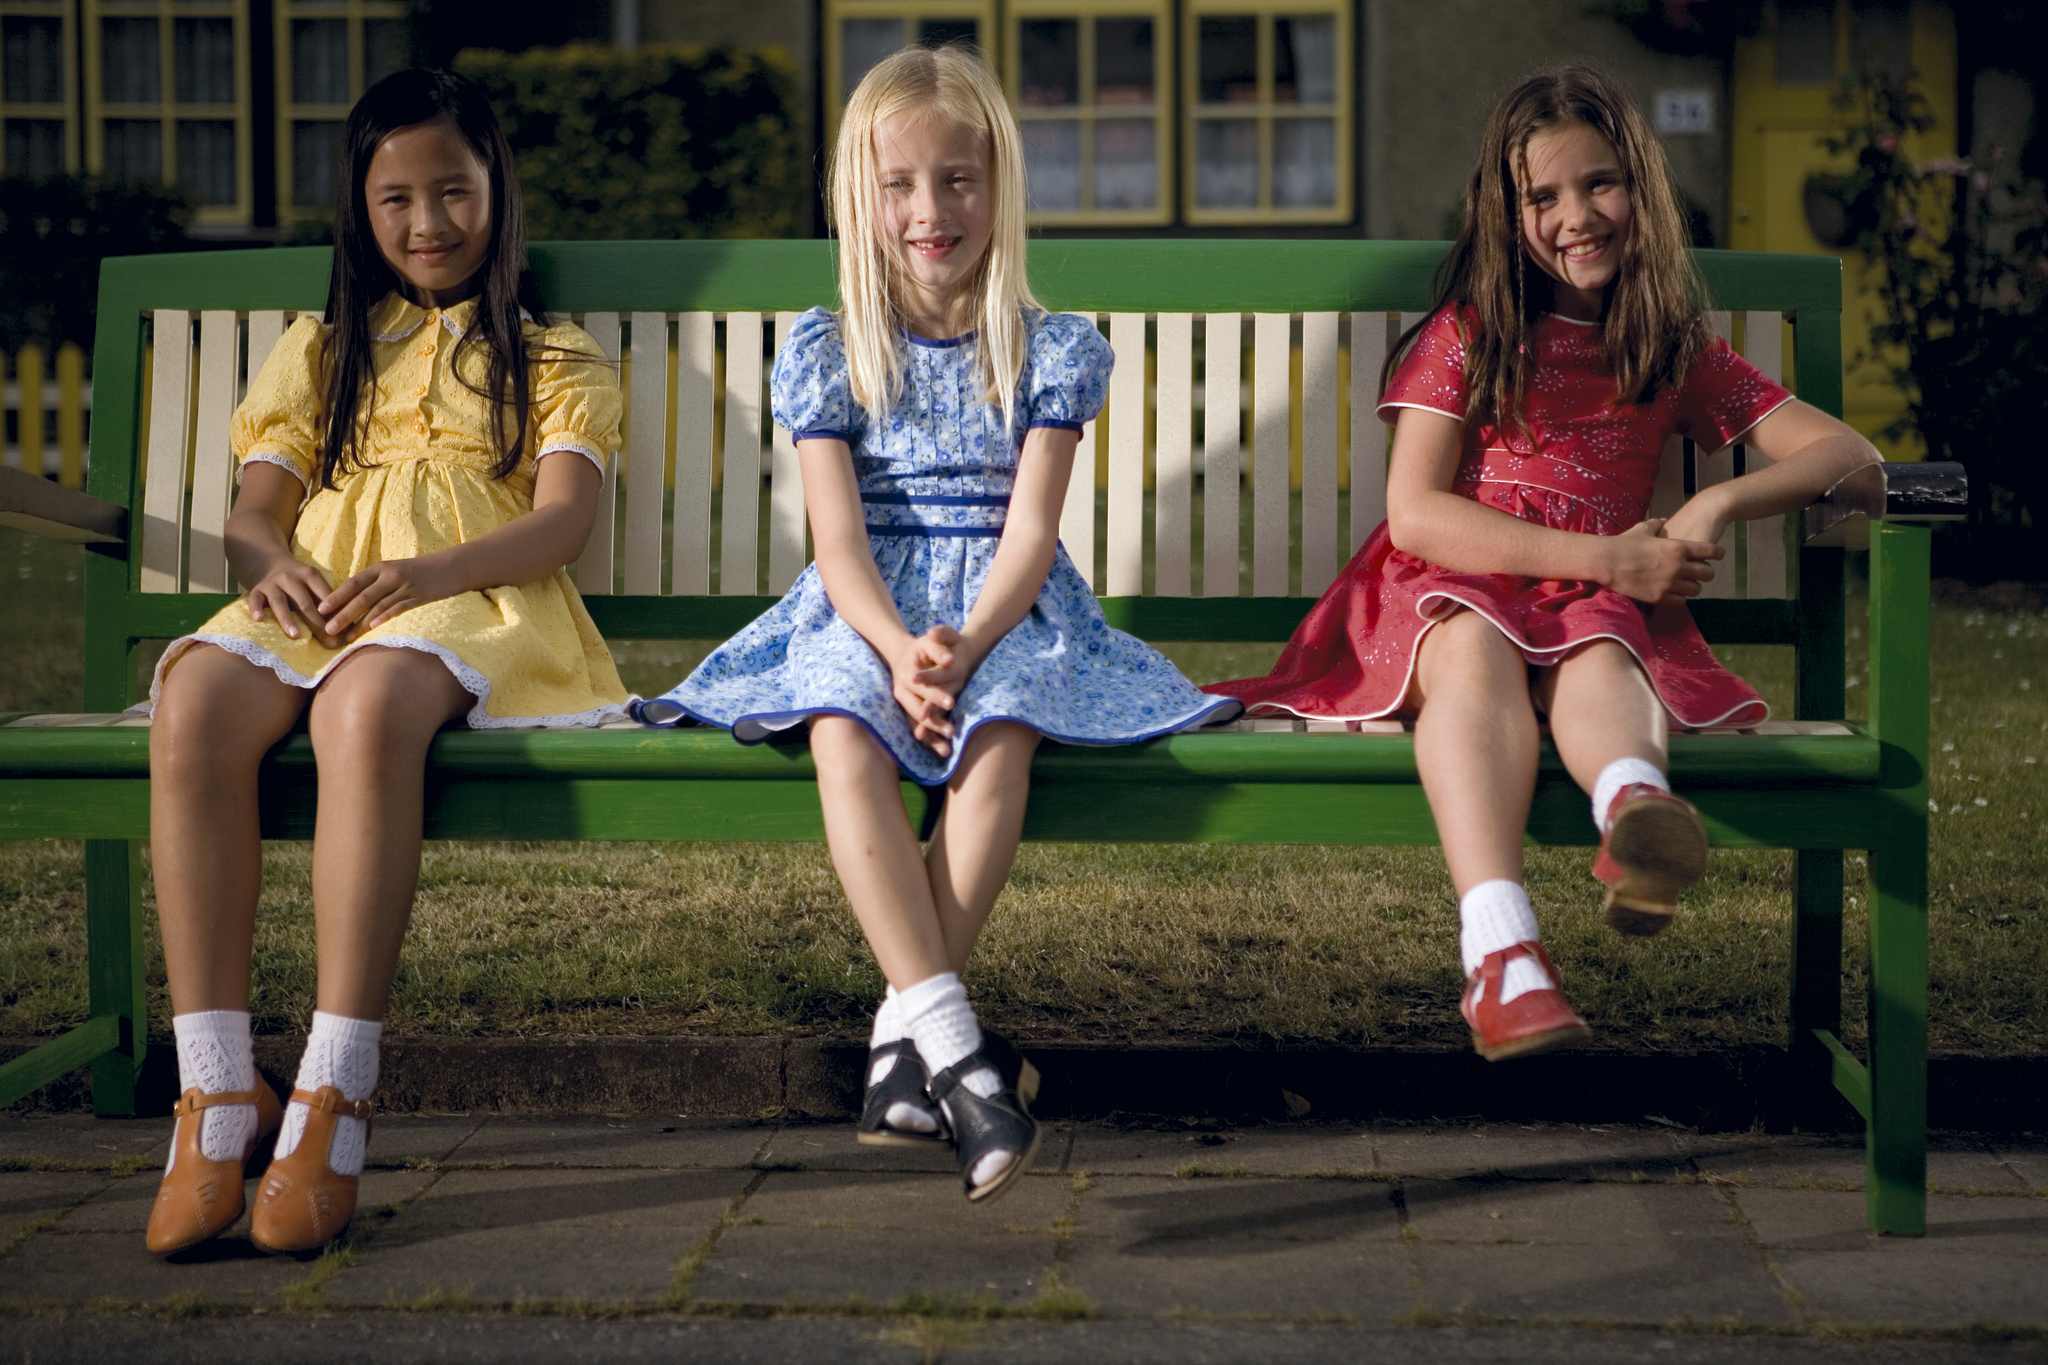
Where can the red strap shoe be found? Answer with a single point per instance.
(1534, 1021)
(1654, 848)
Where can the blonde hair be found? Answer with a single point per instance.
(924, 82)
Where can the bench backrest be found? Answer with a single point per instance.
(1188, 527)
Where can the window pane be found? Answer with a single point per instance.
(134, 149)
(862, 43)
(1230, 61)
(385, 49)
(1304, 163)
(1126, 164)
(1227, 164)
(1052, 160)
(131, 67)
(1123, 61)
(205, 61)
(1806, 42)
(939, 32)
(316, 152)
(35, 60)
(1049, 57)
(1305, 60)
(35, 146)
(320, 61)
(206, 159)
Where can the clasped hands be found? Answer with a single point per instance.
(292, 591)
(928, 672)
(1656, 562)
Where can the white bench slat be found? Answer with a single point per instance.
(1271, 457)
(1125, 533)
(1710, 467)
(1173, 457)
(739, 509)
(1763, 345)
(696, 373)
(266, 329)
(212, 464)
(1222, 389)
(163, 489)
(1368, 436)
(786, 549)
(1077, 513)
(645, 450)
(1319, 560)
(594, 566)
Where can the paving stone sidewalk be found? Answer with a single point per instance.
(517, 1232)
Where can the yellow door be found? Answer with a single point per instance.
(1784, 80)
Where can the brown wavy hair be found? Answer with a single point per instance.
(1652, 325)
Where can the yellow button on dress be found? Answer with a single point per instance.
(529, 653)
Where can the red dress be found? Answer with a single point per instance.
(1590, 468)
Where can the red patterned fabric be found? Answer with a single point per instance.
(1589, 467)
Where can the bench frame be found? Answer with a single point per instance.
(1820, 793)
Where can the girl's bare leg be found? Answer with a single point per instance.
(218, 716)
(976, 839)
(1475, 746)
(371, 722)
(1602, 708)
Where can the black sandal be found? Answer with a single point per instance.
(998, 1123)
(904, 1083)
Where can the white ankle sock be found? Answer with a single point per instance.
(1623, 772)
(936, 1014)
(888, 1029)
(1492, 916)
(341, 1052)
(215, 1056)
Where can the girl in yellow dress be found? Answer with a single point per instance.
(415, 473)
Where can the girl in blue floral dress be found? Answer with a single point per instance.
(941, 630)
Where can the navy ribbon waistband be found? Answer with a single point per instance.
(938, 532)
(937, 499)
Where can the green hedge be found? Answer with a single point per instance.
(656, 142)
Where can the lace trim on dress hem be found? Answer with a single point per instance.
(473, 682)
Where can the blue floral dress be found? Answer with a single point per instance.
(935, 477)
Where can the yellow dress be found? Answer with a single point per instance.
(529, 653)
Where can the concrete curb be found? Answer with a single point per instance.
(820, 1078)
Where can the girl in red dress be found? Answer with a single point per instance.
(1515, 575)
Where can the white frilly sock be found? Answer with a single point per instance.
(914, 1118)
(937, 1016)
(1623, 772)
(216, 1056)
(341, 1052)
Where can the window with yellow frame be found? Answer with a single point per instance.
(859, 33)
(328, 53)
(167, 98)
(1266, 90)
(38, 53)
(1090, 81)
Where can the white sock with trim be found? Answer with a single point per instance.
(1492, 916)
(341, 1052)
(937, 1016)
(216, 1056)
(1623, 772)
(889, 1029)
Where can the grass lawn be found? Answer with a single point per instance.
(1109, 942)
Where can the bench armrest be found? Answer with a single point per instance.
(29, 503)
(1916, 492)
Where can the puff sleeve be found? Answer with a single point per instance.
(1068, 377)
(1432, 375)
(1725, 396)
(810, 391)
(278, 421)
(576, 403)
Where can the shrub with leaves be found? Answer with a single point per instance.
(657, 142)
(54, 231)
(1955, 255)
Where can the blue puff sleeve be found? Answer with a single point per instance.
(809, 391)
(1068, 378)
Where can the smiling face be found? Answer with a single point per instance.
(1576, 215)
(430, 210)
(937, 214)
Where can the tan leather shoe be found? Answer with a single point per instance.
(199, 1198)
(302, 1205)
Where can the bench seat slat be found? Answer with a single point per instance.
(1222, 381)
(1125, 540)
(1271, 454)
(1319, 528)
(1173, 462)
(163, 490)
(646, 422)
(696, 394)
(786, 523)
(739, 506)
(1368, 436)
(212, 465)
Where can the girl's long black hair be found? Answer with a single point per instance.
(361, 278)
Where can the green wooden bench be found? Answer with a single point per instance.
(1188, 537)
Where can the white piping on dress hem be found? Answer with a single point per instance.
(473, 682)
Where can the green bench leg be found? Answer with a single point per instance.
(1897, 1143)
(117, 985)
(1816, 985)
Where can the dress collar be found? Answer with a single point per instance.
(396, 317)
